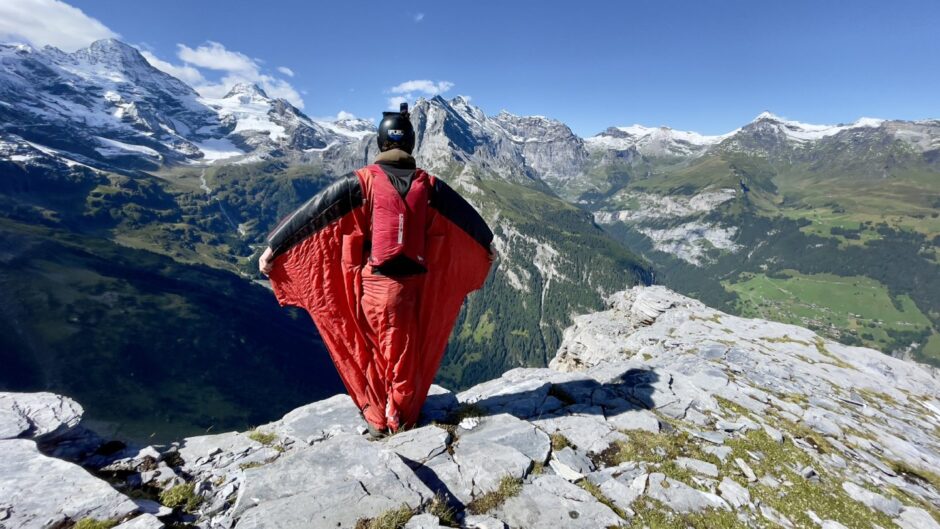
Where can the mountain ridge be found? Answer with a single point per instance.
(757, 211)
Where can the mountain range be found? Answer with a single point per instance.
(831, 227)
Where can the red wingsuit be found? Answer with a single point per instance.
(383, 276)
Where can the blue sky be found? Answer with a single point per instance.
(705, 65)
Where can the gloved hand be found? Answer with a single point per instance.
(266, 263)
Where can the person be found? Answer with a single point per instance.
(382, 260)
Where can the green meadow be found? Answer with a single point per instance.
(860, 309)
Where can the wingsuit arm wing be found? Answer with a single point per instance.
(336, 200)
(455, 208)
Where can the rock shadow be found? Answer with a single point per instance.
(634, 389)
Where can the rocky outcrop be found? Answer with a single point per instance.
(40, 416)
(37, 491)
(656, 412)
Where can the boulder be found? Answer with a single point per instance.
(550, 502)
(680, 497)
(144, 521)
(507, 430)
(319, 420)
(696, 465)
(41, 491)
(589, 432)
(420, 445)
(890, 506)
(40, 416)
(916, 518)
(318, 484)
(733, 493)
(569, 464)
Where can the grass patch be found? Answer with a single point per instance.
(814, 438)
(390, 519)
(795, 398)
(714, 318)
(732, 406)
(914, 474)
(265, 438)
(559, 441)
(838, 362)
(784, 339)
(446, 514)
(448, 427)
(181, 496)
(654, 515)
(251, 464)
(782, 460)
(508, 487)
(877, 398)
(91, 523)
(661, 449)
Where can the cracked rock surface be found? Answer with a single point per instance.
(657, 412)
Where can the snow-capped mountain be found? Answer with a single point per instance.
(102, 103)
(769, 133)
(106, 106)
(653, 141)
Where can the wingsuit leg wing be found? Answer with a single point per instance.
(386, 364)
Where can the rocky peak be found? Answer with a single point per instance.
(517, 148)
(356, 124)
(107, 50)
(249, 90)
(655, 409)
(653, 142)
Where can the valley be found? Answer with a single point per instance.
(140, 225)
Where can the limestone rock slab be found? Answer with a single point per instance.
(550, 502)
(42, 491)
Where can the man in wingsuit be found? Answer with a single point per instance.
(382, 260)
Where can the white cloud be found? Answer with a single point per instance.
(345, 115)
(52, 22)
(214, 56)
(419, 17)
(185, 73)
(422, 85)
(419, 86)
(42, 22)
(394, 103)
(236, 67)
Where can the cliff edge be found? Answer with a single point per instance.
(656, 412)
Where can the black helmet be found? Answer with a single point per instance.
(396, 132)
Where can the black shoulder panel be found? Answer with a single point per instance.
(453, 206)
(336, 200)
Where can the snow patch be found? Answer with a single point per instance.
(218, 149)
(803, 132)
(119, 148)
(250, 111)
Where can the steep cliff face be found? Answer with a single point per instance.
(657, 412)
